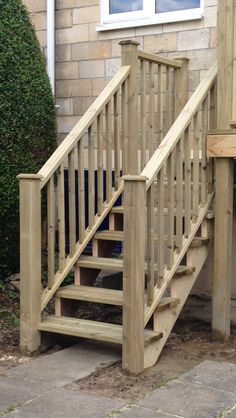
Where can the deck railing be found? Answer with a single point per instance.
(99, 150)
(163, 210)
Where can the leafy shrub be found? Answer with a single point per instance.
(27, 120)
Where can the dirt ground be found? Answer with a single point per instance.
(189, 344)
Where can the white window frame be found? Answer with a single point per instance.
(144, 17)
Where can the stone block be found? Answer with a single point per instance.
(86, 15)
(77, 33)
(193, 80)
(112, 66)
(117, 34)
(148, 30)
(42, 37)
(136, 412)
(66, 123)
(183, 26)
(64, 18)
(91, 69)
(81, 105)
(213, 40)
(63, 53)
(62, 4)
(73, 88)
(91, 50)
(40, 21)
(193, 39)
(67, 71)
(93, 34)
(65, 107)
(98, 85)
(161, 43)
(201, 59)
(210, 17)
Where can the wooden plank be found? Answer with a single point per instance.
(221, 145)
(170, 213)
(117, 140)
(160, 103)
(150, 244)
(93, 330)
(81, 127)
(134, 271)
(71, 187)
(181, 86)
(179, 195)
(129, 56)
(81, 191)
(160, 226)
(204, 123)
(100, 263)
(178, 128)
(91, 294)
(61, 217)
(167, 303)
(30, 261)
(143, 113)
(91, 186)
(187, 183)
(100, 162)
(158, 59)
(151, 109)
(125, 139)
(108, 153)
(196, 171)
(51, 231)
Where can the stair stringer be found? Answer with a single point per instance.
(180, 288)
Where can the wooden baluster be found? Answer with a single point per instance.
(151, 109)
(170, 208)
(174, 106)
(187, 183)
(108, 153)
(160, 103)
(125, 145)
(61, 216)
(196, 170)
(150, 244)
(51, 231)
(203, 153)
(81, 194)
(72, 218)
(117, 140)
(91, 196)
(143, 114)
(30, 261)
(100, 163)
(179, 195)
(168, 98)
(160, 226)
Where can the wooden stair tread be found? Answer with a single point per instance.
(91, 294)
(91, 329)
(167, 302)
(115, 264)
(109, 235)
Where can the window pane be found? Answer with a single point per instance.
(173, 5)
(124, 6)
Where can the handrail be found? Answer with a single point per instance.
(87, 119)
(158, 59)
(179, 126)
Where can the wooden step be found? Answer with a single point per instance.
(91, 294)
(103, 295)
(92, 330)
(166, 303)
(115, 264)
(108, 235)
(100, 263)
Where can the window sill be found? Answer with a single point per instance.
(158, 20)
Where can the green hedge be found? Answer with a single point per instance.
(27, 120)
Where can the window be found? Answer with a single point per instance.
(129, 13)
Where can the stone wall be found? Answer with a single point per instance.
(87, 59)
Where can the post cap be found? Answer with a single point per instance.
(134, 177)
(29, 177)
(129, 42)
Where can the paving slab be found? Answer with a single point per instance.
(214, 375)
(62, 403)
(137, 412)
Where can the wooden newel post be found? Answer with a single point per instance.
(133, 274)
(222, 275)
(30, 261)
(129, 56)
(181, 86)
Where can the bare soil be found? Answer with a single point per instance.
(189, 344)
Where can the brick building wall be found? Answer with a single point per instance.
(87, 59)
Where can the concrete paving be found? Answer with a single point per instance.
(39, 389)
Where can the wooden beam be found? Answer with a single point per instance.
(222, 275)
(223, 145)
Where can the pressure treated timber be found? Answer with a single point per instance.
(115, 264)
(91, 294)
(221, 145)
(167, 303)
(91, 329)
(158, 59)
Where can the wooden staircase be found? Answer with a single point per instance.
(160, 229)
